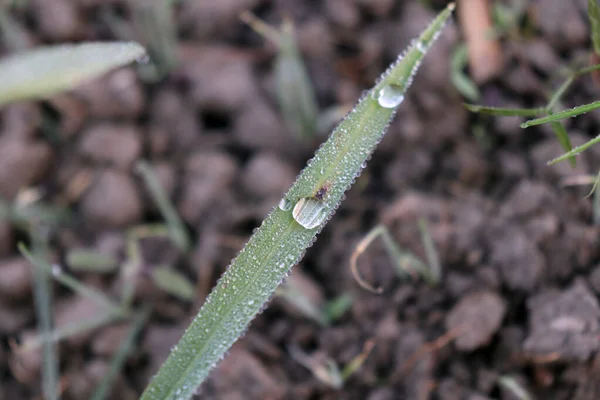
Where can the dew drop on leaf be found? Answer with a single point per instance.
(309, 213)
(285, 204)
(390, 96)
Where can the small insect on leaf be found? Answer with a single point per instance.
(322, 192)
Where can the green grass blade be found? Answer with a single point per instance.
(177, 230)
(560, 92)
(563, 138)
(121, 356)
(44, 314)
(594, 15)
(461, 81)
(575, 151)
(573, 112)
(280, 241)
(45, 71)
(173, 282)
(505, 112)
(70, 282)
(91, 261)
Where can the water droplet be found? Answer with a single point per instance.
(420, 46)
(56, 270)
(390, 96)
(309, 213)
(285, 204)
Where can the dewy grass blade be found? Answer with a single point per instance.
(505, 112)
(573, 112)
(575, 150)
(45, 71)
(280, 241)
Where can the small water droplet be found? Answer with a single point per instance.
(420, 46)
(285, 204)
(390, 96)
(309, 213)
(56, 270)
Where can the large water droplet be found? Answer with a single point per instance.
(309, 213)
(285, 204)
(390, 96)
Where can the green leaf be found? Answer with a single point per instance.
(280, 241)
(44, 71)
(505, 112)
(173, 283)
(573, 112)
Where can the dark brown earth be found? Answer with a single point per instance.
(519, 251)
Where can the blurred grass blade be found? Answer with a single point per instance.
(358, 361)
(90, 261)
(505, 112)
(155, 27)
(336, 308)
(459, 79)
(575, 151)
(287, 232)
(573, 112)
(514, 387)
(563, 138)
(294, 88)
(405, 262)
(433, 259)
(177, 230)
(556, 96)
(173, 282)
(324, 369)
(44, 315)
(69, 281)
(594, 15)
(68, 331)
(302, 303)
(118, 360)
(44, 71)
(596, 202)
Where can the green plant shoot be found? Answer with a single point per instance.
(294, 88)
(289, 230)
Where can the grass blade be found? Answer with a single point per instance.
(505, 112)
(287, 232)
(295, 93)
(45, 71)
(44, 315)
(91, 261)
(119, 358)
(563, 138)
(177, 230)
(573, 112)
(70, 282)
(576, 150)
(594, 15)
(461, 81)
